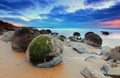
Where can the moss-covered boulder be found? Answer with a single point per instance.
(45, 51)
(22, 38)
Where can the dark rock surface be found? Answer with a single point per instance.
(93, 39)
(22, 38)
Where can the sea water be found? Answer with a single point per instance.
(115, 33)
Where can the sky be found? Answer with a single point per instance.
(61, 13)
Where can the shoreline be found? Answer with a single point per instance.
(15, 65)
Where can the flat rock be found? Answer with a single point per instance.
(51, 63)
(111, 71)
(80, 49)
(91, 73)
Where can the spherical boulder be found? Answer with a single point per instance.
(76, 34)
(89, 34)
(105, 32)
(48, 31)
(45, 51)
(62, 37)
(93, 39)
(22, 38)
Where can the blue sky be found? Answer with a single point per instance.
(61, 13)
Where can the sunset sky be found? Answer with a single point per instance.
(62, 13)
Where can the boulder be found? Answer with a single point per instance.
(8, 36)
(45, 31)
(89, 34)
(76, 34)
(93, 39)
(105, 32)
(91, 73)
(22, 38)
(114, 72)
(62, 37)
(76, 39)
(54, 34)
(45, 51)
(115, 53)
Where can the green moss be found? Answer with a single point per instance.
(39, 50)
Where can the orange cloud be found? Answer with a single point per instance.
(111, 24)
(18, 24)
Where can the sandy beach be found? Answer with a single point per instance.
(14, 64)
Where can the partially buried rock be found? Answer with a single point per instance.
(76, 34)
(115, 53)
(91, 73)
(62, 37)
(45, 31)
(93, 39)
(45, 51)
(105, 32)
(114, 72)
(22, 38)
(80, 49)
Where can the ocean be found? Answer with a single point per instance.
(114, 33)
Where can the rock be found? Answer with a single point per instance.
(22, 38)
(105, 32)
(91, 73)
(54, 34)
(8, 36)
(89, 34)
(76, 34)
(80, 49)
(49, 31)
(115, 53)
(93, 57)
(62, 37)
(45, 31)
(105, 50)
(1, 31)
(104, 69)
(93, 39)
(76, 39)
(114, 72)
(45, 51)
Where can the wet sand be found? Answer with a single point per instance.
(14, 64)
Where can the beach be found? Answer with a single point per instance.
(15, 65)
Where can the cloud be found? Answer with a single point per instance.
(111, 24)
(59, 10)
(18, 24)
(87, 2)
(107, 14)
(45, 3)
